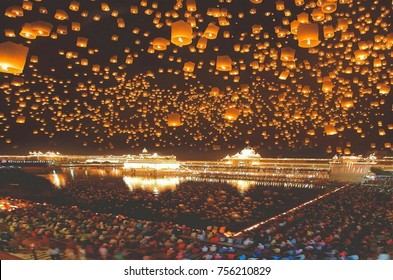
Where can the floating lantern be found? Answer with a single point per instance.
(224, 63)
(174, 120)
(81, 42)
(181, 33)
(12, 57)
(330, 130)
(160, 44)
(211, 32)
(27, 31)
(287, 54)
(232, 114)
(41, 28)
(329, 6)
(308, 35)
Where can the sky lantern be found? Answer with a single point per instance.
(27, 5)
(328, 31)
(181, 33)
(211, 31)
(189, 67)
(330, 129)
(308, 35)
(317, 15)
(328, 6)
(41, 28)
(27, 31)
(12, 57)
(224, 63)
(21, 119)
(81, 42)
(191, 5)
(160, 44)
(231, 114)
(287, 54)
(14, 11)
(174, 120)
(346, 102)
(74, 6)
(61, 15)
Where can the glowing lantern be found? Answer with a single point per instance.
(330, 130)
(27, 31)
(189, 67)
(317, 15)
(215, 91)
(105, 7)
(342, 24)
(75, 26)
(308, 35)
(381, 132)
(384, 89)
(328, 31)
(14, 11)
(62, 29)
(232, 114)
(61, 15)
(347, 102)
(211, 31)
(287, 54)
(294, 26)
(12, 57)
(202, 43)
(160, 44)
(224, 63)
(181, 33)
(41, 28)
(280, 5)
(21, 119)
(329, 6)
(299, 2)
(302, 18)
(191, 5)
(327, 85)
(284, 75)
(27, 5)
(174, 120)
(81, 42)
(74, 6)
(361, 55)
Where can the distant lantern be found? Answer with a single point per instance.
(189, 67)
(181, 33)
(256, 1)
(75, 26)
(215, 91)
(12, 57)
(160, 44)
(330, 130)
(303, 18)
(224, 63)
(346, 102)
(42, 28)
(191, 5)
(61, 15)
(174, 120)
(308, 35)
(287, 54)
(327, 85)
(211, 31)
(329, 6)
(202, 43)
(294, 26)
(232, 114)
(105, 7)
(27, 31)
(299, 2)
(317, 15)
(27, 5)
(328, 31)
(280, 5)
(361, 55)
(81, 42)
(74, 6)
(21, 119)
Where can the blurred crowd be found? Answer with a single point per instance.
(353, 223)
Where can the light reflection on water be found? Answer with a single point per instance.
(61, 177)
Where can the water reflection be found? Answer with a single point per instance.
(155, 185)
(61, 177)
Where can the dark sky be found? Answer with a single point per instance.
(124, 107)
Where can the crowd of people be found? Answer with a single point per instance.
(353, 223)
(193, 203)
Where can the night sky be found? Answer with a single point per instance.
(115, 95)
